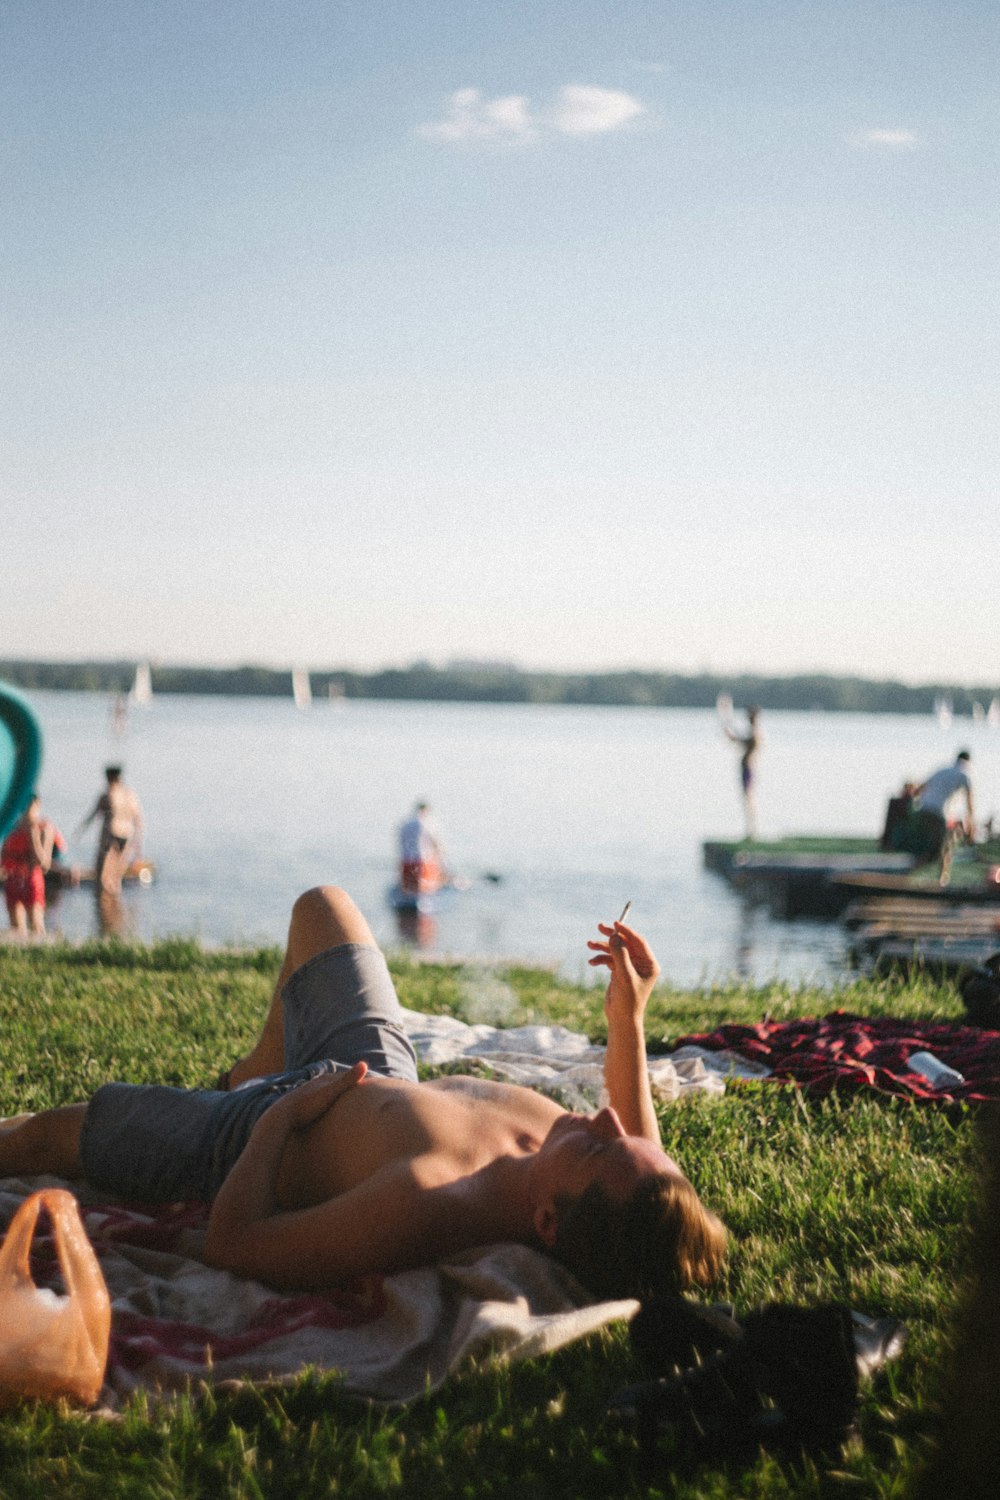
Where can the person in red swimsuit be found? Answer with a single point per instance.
(25, 857)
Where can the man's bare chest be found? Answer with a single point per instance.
(448, 1128)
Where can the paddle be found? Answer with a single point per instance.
(465, 883)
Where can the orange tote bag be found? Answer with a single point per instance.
(52, 1345)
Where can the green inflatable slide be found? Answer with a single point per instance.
(20, 756)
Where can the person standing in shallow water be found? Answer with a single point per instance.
(121, 830)
(26, 857)
(749, 743)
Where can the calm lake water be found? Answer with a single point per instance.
(248, 801)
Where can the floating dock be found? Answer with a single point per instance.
(795, 875)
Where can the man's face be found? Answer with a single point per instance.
(581, 1149)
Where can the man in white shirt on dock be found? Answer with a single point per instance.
(936, 797)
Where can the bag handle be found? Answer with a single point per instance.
(78, 1263)
(77, 1257)
(81, 1273)
(15, 1270)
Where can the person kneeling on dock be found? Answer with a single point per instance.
(324, 1159)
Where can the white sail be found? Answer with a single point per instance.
(301, 691)
(993, 713)
(943, 712)
(142, 686)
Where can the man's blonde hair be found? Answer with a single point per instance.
(662, 1240)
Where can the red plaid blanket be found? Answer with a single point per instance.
(843, 1051)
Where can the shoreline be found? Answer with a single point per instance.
(484, 684)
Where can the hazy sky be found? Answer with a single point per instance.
(578, 332)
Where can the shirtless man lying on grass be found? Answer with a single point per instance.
(336, 1162)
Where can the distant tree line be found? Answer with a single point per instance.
(472, 684)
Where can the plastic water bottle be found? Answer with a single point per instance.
(937, 1073)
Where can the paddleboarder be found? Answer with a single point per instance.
(421, 861)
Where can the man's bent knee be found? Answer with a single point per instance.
(326, 907)
(324, 917)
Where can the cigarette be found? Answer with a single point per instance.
(625, 911)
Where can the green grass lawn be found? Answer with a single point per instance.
(867, 1200)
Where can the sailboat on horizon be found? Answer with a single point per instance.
(301, 689)
(142, 685)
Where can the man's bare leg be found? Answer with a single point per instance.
(46, 1142)
(111, 869)
(750, 814)
(322, 918)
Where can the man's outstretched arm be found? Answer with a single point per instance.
(85, 823)
(634, 972)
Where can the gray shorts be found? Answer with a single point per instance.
(155, 1144)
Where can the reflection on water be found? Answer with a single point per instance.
(249, 802)
(743, 951)
(87, 911)
(416, 929)
(112, 915)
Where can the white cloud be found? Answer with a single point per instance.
(585, 110)
(895, 139)
(578, 109)
(472, 117)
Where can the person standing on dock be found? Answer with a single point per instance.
(749, 743)
(121, 830)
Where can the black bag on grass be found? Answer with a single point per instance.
(785, 1377)
(980, 991)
